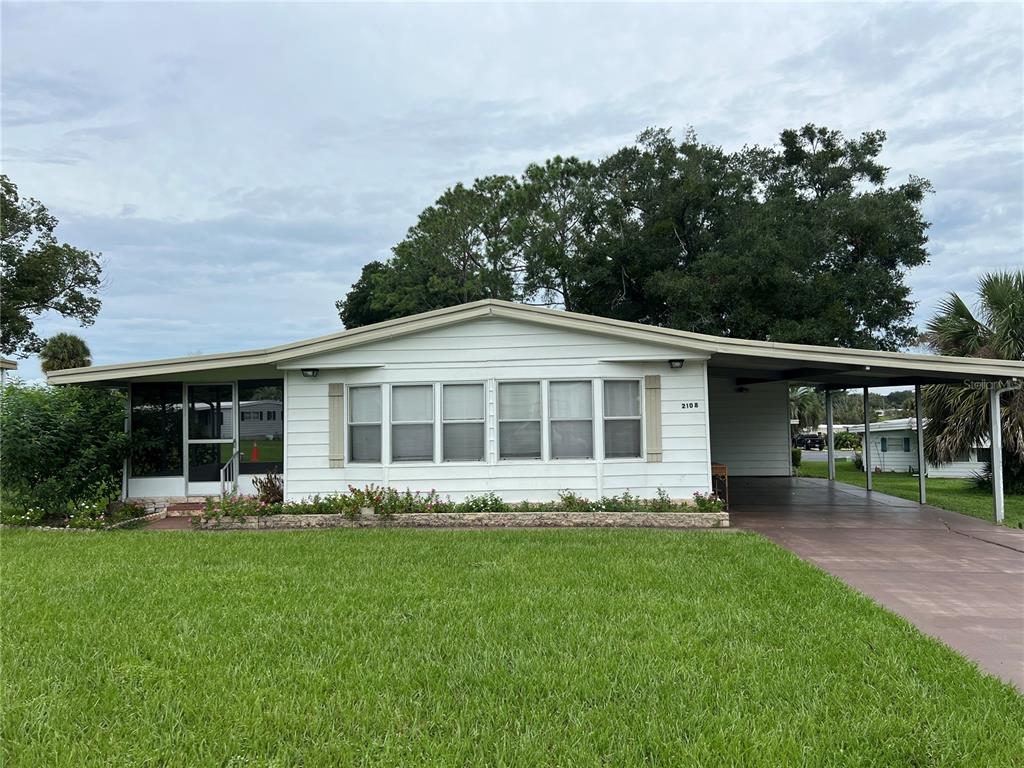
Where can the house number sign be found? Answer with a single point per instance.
(691, 405)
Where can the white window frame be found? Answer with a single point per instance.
(434, 415)
(349, 423)
(550, 420)
(542, 419)
(605, 418)
(443, 421)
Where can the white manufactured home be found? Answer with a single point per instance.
(894, 449)
(487, 397)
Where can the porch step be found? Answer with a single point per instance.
(185, 508)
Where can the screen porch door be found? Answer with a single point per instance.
(211, 435)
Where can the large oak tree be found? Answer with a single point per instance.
(804, 241)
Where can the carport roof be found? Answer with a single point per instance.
(750, 362)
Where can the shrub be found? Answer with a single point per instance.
(858, 462)
(237, 505)
(270, 488)
(97, 507)
(488, 503)
(1013, 475)
(63, 452)
(388, 502)
(708, 502)
(847, 441)
(798, 457)
(570, 502)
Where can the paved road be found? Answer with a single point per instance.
(823, 455)
(957, 578)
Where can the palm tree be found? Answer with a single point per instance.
(64, 350)
(806, 407)
(958, 416)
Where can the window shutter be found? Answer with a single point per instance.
(336, 424)
(652, 417)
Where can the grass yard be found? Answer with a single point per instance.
(953, 494)
(391, 648)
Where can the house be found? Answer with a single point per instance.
(488, 397)
(894, 449)
(5, 366)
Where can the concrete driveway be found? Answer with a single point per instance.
(957, 578)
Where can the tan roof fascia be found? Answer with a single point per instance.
(674, 339)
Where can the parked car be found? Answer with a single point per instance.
(809, 442)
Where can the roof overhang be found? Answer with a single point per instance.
(751, 362)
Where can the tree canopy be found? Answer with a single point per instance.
(38, 274)
(803, 241)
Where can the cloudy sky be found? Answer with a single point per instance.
(237, 163)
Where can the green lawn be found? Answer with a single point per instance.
(398, 647)
(948, 493)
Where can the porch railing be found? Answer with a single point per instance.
(229, 473)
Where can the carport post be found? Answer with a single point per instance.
(922, 466)
(866, 448)
(995, 421)
(830, 436)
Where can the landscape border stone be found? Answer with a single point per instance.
(474, 520)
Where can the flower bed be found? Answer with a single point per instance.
(92, 515)
(373, 506)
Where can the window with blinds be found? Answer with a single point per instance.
(534, 420)
(519, 417)
(364, 424)
(463, 416)
(571, 416)
(412, 423)
(622, 419)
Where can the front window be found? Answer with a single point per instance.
(621, 419)
(519, 414)
(412, 423)
(885, 445)
(364, 424)
(571, 409)
(462, 413)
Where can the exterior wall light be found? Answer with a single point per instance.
(310, 373)
(675, 364)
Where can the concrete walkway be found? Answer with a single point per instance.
(957, 578)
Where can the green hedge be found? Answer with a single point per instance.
(62, 453)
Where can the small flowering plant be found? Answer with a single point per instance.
(708, 502)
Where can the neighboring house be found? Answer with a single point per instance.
(894, 449)
(5, 366)
(492, 397)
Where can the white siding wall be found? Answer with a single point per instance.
(750, 430)
(490, 350)
(896, 460)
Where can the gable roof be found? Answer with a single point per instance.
(730, 351)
